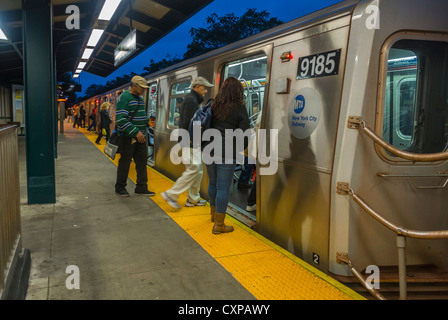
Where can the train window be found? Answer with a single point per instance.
(251, 72)
(178, 91)
(152, 99)
(415, 117)
(151, 111)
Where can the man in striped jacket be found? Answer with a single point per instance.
(131, 119)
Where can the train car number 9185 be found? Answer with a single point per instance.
(319, 65)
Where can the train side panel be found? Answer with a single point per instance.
(394, 82)
(295, 210)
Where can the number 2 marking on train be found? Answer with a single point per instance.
(315, 258)
(319, 65)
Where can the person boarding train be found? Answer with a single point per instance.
(191, 178)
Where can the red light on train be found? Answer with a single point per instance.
(286, 56)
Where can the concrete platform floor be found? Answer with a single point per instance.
(124, 248)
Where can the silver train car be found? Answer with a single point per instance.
(358, 94)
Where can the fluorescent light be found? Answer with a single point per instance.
(2, 35)
(87, 53)
(403, 59)
(78, 71)
(81, 65)
(76, 75)
(248, 61)
(108, 10)
(95, 37)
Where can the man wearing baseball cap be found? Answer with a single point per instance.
(191, 178)
(132, 121)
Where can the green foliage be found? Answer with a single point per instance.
(221, 31)
(162, 64)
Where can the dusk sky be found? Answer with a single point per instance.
(175, 43)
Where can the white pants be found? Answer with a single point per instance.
(191, 178)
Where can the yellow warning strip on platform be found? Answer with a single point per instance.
(266, 270)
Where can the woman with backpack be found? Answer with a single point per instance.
(229, 112)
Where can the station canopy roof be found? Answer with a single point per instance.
(152, 19)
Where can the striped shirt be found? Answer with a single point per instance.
(127, 103)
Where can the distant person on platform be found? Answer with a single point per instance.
(105, 122)
(132, 123)
(92, 117)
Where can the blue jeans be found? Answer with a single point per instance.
(220, 179)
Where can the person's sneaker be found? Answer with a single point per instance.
(173, 203)
(123, 193)
(200, 202)
(251, 208)
(146, 192)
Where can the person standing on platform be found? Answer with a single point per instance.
(132, 124)
(92, 117)
(229, 112)
(82, 117)
(76, 116)
(191, 178)
(105, 122)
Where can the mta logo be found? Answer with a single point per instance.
(300, 104)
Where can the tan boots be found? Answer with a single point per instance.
(218, 219)
(219, 226)
(212, 213)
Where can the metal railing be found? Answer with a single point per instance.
(402, 233)
(355, 122)
(10, 228)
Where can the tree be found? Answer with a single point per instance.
(221, 31)
(162, 64)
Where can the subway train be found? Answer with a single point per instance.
(357, 95)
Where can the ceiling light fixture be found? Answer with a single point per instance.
(108, 10)
(2, 35)
(87, 53)
(95, 37)
(81, 65)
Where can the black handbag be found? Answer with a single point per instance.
(115, 143)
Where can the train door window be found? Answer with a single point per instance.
(152, 100)
(178, 91)
(251, 72)
(151, 112)
(415, 113)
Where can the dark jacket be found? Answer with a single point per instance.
(238, 118)
(105, 119)
(190, 105)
